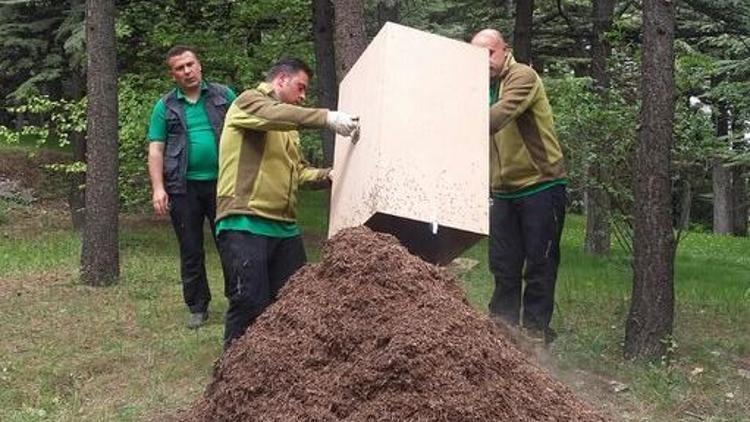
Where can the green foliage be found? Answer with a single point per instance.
(594, 130)
(237, 41)
(60, 119)
(42, 44)
(135, 107)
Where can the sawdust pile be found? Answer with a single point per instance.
(373, 333)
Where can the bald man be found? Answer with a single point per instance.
(527, 180)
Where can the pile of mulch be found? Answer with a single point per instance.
(373, 333)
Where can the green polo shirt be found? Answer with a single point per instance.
(203, 155)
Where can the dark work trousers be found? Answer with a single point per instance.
(188, 211)
(525, 246)
(255, 269)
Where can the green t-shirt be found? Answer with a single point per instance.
(494, 90)
(257, 225)
(203, 156)
(530, 190)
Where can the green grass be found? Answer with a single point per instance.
(72, 352)
(712, 339)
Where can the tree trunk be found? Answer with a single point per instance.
(328, 90)
(388, 11)
(100, 260)
(687, 199)
(349, 37)
(739, 183)
(75, 89)
(596, 199)
(722, 187)
(76, 192)
(523, 30)
(649, 324)
(598, 214)
(739, 200)
(723, 221)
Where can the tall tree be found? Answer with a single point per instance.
(75, 88)
(523, 30)
(328, 90)
(349, 38)
(596, 199)
(649, 323)
(739, 182)
(100, 259)
(739, 199)
(723, 219)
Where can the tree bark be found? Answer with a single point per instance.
(722, 194)
(523, 31)
(723, 220)
(649, 324)
(349, 36)
(328, 90)
(596, 200)
(739, 200)
(739, 184)
(100, 255)
(687, 199)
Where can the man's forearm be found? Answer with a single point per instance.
(156, 166)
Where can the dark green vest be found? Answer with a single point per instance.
(176, 142)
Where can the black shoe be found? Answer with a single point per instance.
(197, 319)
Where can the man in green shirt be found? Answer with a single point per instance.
(260, 169)
(527, 180)
(183, 156)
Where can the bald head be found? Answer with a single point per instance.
(488, 36)
(493, 41)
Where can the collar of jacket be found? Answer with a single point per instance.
(267, 89)
(509, 61)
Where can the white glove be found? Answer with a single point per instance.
(342, 123)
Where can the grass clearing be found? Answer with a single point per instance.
(72, 352)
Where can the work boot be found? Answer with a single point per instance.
(546, 335)
(197, 319)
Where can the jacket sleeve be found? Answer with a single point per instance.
(313, 178)
(518, 92)
(254, 110)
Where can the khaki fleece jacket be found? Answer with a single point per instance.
(260, 163)
(524, 149)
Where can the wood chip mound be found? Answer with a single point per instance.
(373, 333)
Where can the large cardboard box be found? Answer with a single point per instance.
(420, 167)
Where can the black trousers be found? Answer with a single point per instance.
(255, 267)
(525, 246)
(188, 212)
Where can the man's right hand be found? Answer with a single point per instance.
(160, 199)
(342, 123)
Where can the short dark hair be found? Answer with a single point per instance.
(288, 66)
(179, 49)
